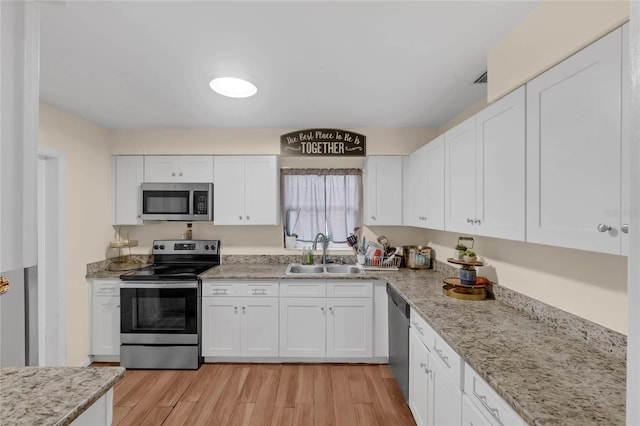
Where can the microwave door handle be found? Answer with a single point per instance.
(191, 202)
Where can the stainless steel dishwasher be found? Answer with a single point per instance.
(399, 339)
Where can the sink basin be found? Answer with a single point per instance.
(298, 269)
(305, 269)
(343, 269)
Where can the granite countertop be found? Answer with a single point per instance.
(548, 376)
(52, 395)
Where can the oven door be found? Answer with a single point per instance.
(159, 313)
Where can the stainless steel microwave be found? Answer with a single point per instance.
(188, 202)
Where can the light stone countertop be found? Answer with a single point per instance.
(548, 377)
(52, 395)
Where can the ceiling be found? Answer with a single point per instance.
(336, 64)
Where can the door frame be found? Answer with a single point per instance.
(53, 290)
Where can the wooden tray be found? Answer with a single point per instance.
(462, 262)
(481, 282)
(464, 293)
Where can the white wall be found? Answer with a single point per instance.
(555, 30)
(88, 178)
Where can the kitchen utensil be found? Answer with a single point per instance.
(352, 240)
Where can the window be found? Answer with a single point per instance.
(322, 201)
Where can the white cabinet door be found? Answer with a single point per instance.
(303, 327)
(349, 327)
(500, 168)
(446, 404)
(228, 190)
(625, 210)
(178, 168)
(434, 175)
(574, 148)
(418, 195)
(383, 194)
(471, 416)
(259, 327)
(195, 168)
(460, 173)
(420, 390)
(246, 190)
(128, 174)
(262, 190)
(221, 326)
(105, 325)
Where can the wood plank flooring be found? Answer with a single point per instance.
(261, 394)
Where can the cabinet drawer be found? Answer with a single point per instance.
(213, 288)
(106, 288)
(350, 289)
(488, 402)
(260, 289)
(424, 332)
(451, 362)
(303, 288)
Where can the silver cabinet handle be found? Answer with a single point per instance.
(219, 291)
(477, 221)
(244, 309)
(180, 174)
(483, 400)
(423, 365)
(235, 308)
(603, 227)
(322, 308)
(373, 217)
(625, 228)
(444, 358)
(118, 307)
(173, 174)
(331, 308)
(240, 217)
(260, 291)
(469, 220)
(247, 217)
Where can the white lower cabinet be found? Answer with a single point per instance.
(240, 326)
(435, 377)
(326, 327)
(495, 410)
(105, 318)
(471, 416)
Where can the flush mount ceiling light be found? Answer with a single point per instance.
(233, 87)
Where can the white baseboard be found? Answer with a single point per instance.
(85, 363)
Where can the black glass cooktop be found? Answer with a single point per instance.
(168, 272)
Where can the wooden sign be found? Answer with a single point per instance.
(323, 143)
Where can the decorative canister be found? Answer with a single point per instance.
(417, 257)
(468, 275)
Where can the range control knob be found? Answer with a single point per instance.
(155, 247)
(206, 247)
(162, 247)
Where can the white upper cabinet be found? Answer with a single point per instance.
(485, 171)
(460, 173)
(383, 190)
(127, 175)
(246, 190)
(426, 186)
(180, 168)
(500, 168)
(574, 150)
(625, 213)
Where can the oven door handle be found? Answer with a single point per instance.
(159, 284)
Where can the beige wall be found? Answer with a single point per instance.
(552, 32)
(88, 179)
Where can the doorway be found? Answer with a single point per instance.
(52, 339)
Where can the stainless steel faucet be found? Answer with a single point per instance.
(324, 239)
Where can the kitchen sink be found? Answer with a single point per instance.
(298, 269)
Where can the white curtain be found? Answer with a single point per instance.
(326, 203)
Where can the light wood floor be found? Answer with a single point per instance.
(261, 394)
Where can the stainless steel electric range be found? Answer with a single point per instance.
(160, 318)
